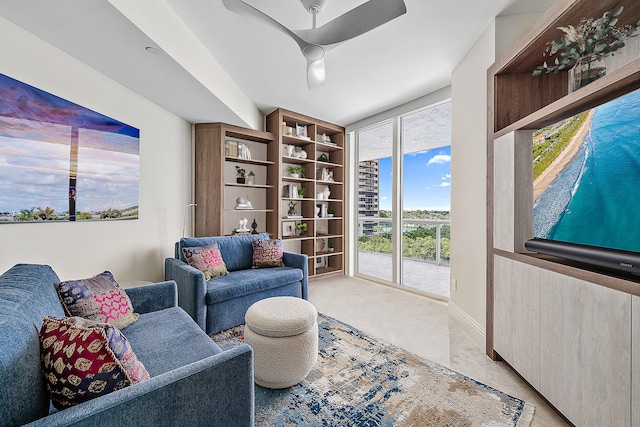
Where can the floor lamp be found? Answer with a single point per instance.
(184, 217)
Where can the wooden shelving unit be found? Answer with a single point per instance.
(320, 229)
(216, 188)
(542, 298)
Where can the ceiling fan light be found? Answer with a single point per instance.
(315, 73)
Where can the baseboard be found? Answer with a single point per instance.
(472, 328)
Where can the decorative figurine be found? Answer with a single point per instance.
(243, 226)
(254, 225)
(292, 209)
(327, 192)
(243, 203)
(251, 178)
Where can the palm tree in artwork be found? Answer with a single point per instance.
(26, 215)
(47, 213)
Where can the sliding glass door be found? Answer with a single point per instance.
(375, 227)
(404, 180)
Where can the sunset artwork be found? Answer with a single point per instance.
(63, 162)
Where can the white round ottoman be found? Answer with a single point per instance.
(283, 332)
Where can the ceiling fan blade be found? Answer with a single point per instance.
(242, 8)
(357, 21)
(315, 73)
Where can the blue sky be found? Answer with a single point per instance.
(427, 182)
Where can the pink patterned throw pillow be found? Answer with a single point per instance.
(267, 253)
(82, 359)
(206, 259)
(97, 298)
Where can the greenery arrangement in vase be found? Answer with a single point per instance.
(583, 48)
(302, 228)
(240, 175)
(295, 171)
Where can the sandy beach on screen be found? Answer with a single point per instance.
(565, 158)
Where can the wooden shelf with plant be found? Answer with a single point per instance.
(530, 86)
(221, 151)
(323, 145)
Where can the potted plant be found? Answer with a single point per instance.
(584, 45)
(295, 171)
(330, 213)
(301, 192)
(240, 175)
(331, 245)
(302, 228)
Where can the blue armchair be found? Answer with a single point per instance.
(193, 382)
(222, 302)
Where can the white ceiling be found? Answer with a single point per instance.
(402, 60)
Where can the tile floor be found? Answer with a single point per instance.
(422, 326)
(420, 275)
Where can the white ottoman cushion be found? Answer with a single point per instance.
(281, 316)
(283, 332)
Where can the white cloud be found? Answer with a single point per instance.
(439, 159)
(445, 184)
(383, 198)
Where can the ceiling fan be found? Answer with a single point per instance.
(315, 42)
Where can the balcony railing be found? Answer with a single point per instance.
(419, 245)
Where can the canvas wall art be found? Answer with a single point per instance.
(60, 161)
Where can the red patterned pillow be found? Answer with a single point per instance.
(98, 298)
(82, 359)
(206, 259)
(267, 253)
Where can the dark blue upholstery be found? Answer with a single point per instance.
(165, 352)
(192, 382)
(222, 302)
(245, 282)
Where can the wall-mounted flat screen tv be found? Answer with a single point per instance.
(587, 186)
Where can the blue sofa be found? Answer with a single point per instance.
(222, 302)
(193, 382)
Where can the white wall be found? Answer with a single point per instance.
(132, 250)
(467, 304)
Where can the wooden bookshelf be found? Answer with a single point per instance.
(216, 188)
(321, 230)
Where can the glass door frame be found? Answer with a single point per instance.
(397, 207)
(396, 198)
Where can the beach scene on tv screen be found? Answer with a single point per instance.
(586, 172)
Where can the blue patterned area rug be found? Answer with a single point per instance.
(364, 382)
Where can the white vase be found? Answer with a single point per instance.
(288, 150)
(587, 70)
(326, 192)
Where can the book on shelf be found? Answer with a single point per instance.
(231, 148)
(291, 191)
(237, 149)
